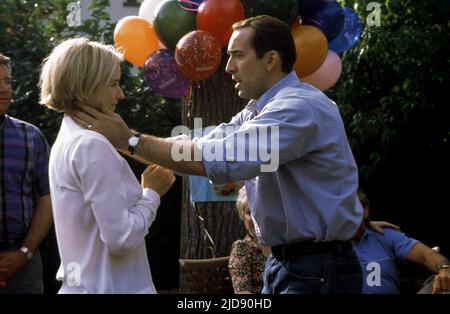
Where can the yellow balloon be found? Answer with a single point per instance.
(136, 39)
(311, 46)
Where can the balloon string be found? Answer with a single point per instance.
(188, 2)
(189, 95)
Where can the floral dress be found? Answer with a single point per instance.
(247, 265)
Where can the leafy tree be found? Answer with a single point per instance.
(391, 96)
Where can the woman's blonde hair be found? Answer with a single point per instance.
(74, 70)
(241, 202)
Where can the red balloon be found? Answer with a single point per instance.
(198, 55)
(296, 24)
(218, 16)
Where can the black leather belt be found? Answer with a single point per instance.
(294, 251)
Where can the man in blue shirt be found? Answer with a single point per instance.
(380, 255)
(289, 144)
(25, 205)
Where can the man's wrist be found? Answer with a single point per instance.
(123, 145)
(27, 253)
(443, 266)
(133, 142)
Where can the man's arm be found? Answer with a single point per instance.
(11, 262)
(151, 149)
(422, 254)
(164, 152)
(40, 224)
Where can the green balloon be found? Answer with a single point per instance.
(285, 10)
(173, 22)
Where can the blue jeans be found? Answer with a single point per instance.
(314, 274)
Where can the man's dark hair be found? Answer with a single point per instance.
(363, 199)
(365, 204)
(271, 34)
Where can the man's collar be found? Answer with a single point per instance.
(285, 81)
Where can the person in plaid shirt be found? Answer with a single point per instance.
(25, 204)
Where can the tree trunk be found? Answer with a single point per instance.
(214, 101)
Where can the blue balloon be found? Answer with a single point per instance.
(350, 33)
(329, 19)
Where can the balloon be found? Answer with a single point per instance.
(296, 24)
(312, 47)
(198, 55)
(172, 22)
(218, 16)
(190, 5)
(328, 73)
(147, 9)
(162, 74)
(349, 35)
(329, 19)
(136, 39)
(285, 10)
(310, 7)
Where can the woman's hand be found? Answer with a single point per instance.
(158, 179)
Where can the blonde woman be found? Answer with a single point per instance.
(101, 212)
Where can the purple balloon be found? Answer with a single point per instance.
(161, 73)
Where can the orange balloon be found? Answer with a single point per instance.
(136, 39)
(328, 73)
(312, 48)
(218, 16)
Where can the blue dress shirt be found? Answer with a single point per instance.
(311, 193)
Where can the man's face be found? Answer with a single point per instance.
(5, 88)
(248, 71)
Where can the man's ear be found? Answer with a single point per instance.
(272, 59)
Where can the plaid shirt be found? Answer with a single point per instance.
(23, 175)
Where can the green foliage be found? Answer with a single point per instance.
(393, 82)
(29, 30)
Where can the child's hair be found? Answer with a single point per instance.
(241, 202)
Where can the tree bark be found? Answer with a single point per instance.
(214, 101)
